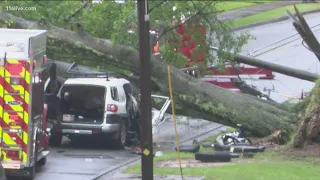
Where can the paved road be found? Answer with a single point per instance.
(165, 138)
(75, 161)
(292, 55)
(251, 10)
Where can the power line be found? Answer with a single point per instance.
(278, 41)
(304, 45)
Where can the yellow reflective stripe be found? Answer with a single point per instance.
(19, 88)
(8, 98)
(26, 75)
(25, 137)
(25, 156)
(26, 117)
(5, 156)
(7, 139)
(4, 153)
(7, 120)
(13, 61)
(27, 78)
(25, 140)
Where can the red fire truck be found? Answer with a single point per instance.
(23, 137)
(195, 51)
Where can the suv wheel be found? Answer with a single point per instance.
(121, 140)
(55, 139)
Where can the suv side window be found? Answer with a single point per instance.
(114, 93)
(121, 94)
(127, 89)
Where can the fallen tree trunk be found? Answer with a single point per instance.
(62, 68)
(206, 101)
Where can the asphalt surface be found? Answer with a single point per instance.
(251, 10)
(289, 52)
(80, 161)
(164, 139)
(86, 160)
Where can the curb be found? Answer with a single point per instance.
(135, 160)
(282, 18)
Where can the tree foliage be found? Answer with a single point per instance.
(111, 20)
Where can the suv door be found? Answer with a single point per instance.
(131, 103)
(51, 91)
(158, 115)
(117, 95)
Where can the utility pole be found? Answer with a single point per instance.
(145, 90)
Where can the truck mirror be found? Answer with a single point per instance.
(53, 71)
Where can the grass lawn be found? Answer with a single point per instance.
(276, 13)
(270, 165)
(228, 6)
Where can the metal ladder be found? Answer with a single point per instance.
(18, 131)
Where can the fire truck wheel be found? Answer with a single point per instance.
(32, 173)
(42, 161)
(121, 139)
(55, 140)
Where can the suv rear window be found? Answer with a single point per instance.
(86, 103)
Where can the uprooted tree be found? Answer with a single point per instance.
(193, 97)
(309, 128)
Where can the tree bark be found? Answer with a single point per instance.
(306, 33)
(193, 97)
(309, 129)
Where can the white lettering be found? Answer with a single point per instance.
(19, 8)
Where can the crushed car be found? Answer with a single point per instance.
(93, 104)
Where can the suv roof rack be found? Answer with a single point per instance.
(76, 73)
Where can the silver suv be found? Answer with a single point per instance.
(95, 105)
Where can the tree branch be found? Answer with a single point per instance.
(310, 38)
(81, 30)
(36, 1)
(157, 5)
(77, 11)
(199, 12)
